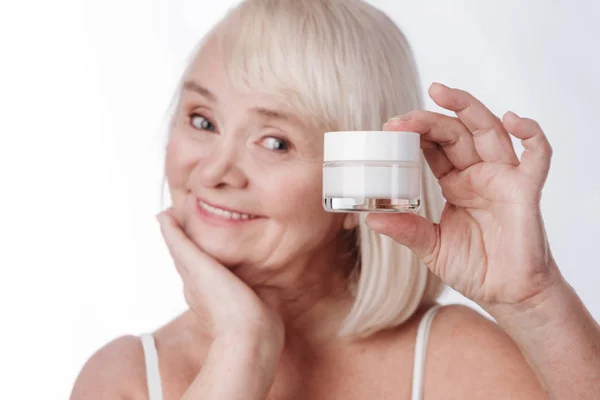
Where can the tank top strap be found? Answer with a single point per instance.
(421, 352)
(152, 371)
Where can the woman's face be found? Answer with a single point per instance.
(245, 173)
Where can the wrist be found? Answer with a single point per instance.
(248, 345)
(237, 367)
(538, 297)
(549, 306)
(254, 333)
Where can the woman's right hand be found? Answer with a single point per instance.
(218, 297)
(247, 335)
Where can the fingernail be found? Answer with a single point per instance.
(405, 117)
(510, 114)
(373, 223)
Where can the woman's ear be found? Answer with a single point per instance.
(350, 221)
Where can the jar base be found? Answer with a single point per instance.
(366, 204)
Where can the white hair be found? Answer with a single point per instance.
(343, 65)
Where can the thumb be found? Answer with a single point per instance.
(412, 230)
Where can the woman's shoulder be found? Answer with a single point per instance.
(115, 371)
(118, 369)
(473, 357)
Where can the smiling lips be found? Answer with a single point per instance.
(223, 213)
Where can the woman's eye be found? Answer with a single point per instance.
(276, 144)
(199, 122)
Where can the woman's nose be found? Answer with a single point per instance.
(221, 168)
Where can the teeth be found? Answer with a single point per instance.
(224, 213)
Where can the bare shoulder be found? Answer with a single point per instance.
(118, 369)
(115, 371)
(470, 356)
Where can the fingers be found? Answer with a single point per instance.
(185, 254)
(445, 141)
(168, 228)
(417, 233)
(492, 142)
(535, 160)
(436, 158)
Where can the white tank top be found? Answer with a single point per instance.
(155, 387)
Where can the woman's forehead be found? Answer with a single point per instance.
(247, 83)
(270, 106)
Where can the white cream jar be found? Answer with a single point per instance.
(375, 171)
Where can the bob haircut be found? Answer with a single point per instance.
(343, 65)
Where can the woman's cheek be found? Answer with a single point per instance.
(175, 163)
(182, 155)
(292, 193)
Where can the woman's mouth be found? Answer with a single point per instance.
(223, 213)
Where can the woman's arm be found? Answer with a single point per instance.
(248, 336)
(491, 244)
(559, 338)
(236, 368)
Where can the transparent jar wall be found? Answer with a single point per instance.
(375, 186)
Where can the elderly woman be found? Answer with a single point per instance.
(288, 301)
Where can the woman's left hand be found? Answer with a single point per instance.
(490, 244)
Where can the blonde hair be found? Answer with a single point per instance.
(345, 66)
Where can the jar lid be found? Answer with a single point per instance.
(372, 146)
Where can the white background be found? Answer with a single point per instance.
(84, 87)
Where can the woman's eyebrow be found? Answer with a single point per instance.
(198, 88)
(273, 114)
